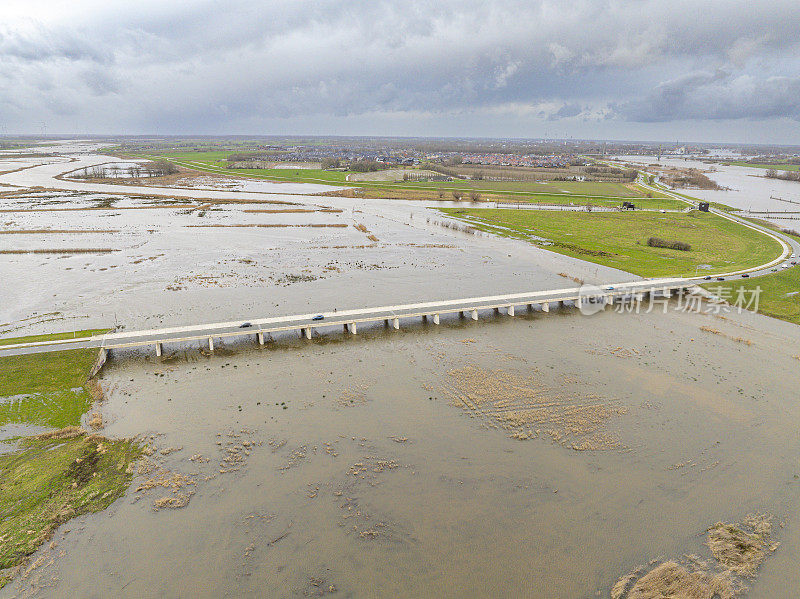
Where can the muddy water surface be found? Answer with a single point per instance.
(345, 466)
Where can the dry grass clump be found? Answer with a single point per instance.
(273, 210)
(372, 238)
(708, 329)
(528, 409)
(180, 487)
(741, 548)
(737, 549)
(96, 421)
(68, 432)
(87, 208)
(670, 579)
(62, 251)
(361, 228)
(46, 231)
(267, 226)
(578, 280)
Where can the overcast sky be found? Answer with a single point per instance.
(722, 70)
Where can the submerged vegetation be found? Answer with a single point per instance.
(52, 478)
(737, 552)
(61, 474)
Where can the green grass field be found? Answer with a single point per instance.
(619, 239)
(46, 389)
(779, 296)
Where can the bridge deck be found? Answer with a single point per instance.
(344, 318)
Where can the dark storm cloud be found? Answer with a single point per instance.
(719, 95)
(201, 65)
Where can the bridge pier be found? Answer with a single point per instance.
(260, 338)
(351, 327)
(158, 350)
(511, 310)
(210, 344)
(396, 323)
(435, 319)
(307, 332)
(545, 307)
(474, 314)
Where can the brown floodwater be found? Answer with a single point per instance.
(545, 455)
(342, 465)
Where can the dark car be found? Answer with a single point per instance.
(793, 262)
(707, 278)
(318, 317)
(745, 276)
(245, 325)
(720, 278)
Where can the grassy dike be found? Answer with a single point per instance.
(52, 477)
(779, 297)
(619, 239)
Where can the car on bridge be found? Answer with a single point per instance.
(318, 317)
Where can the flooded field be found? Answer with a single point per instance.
(307, 468)
(116, 257)
(544, 455)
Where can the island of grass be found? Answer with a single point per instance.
(778, 166)
(57, 475)
(52, 478)
(619, 239)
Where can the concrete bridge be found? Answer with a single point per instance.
(349, 320)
